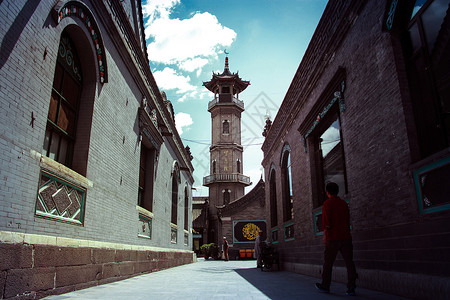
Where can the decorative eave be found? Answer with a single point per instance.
(226, 76)
(116, 23)
(201, 221)
(200, 212)
(256, 194)
(239, 84)
(142, 29)
(148, 127)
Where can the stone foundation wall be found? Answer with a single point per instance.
(38, 270)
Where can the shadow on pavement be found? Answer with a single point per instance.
(279, 285)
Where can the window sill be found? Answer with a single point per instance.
(61, 169)
(144, 237)
(144, 212)
(423, 172)
(430, 159)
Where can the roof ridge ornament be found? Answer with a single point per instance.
(226, 77)
(226, 59)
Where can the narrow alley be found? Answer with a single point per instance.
(217, 279)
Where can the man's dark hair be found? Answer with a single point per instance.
(332, 188)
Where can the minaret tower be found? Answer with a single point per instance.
(226, 182)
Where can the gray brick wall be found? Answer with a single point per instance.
(23, 71)
(26, 77)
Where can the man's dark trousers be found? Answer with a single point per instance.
(331, 250)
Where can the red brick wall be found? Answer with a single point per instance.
(41, 270)
(390, 235)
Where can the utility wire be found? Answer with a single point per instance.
(208, 142)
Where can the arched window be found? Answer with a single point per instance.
(286, 178)
(226, 197)
(226, 127)
(175, 181)
(273, 198)
(238, 166)
(214, 167)
(64, 104)
(69, 120)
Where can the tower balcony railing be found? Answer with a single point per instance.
(234, 100)
(226, 178)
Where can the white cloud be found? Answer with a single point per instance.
(188, 42)
(190, 65)
(199, 94)
(191, 95)
(168, 79)
(154, 9)
(182, 120)
(182, 46)
(205, 94)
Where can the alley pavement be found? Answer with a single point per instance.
(219, 279)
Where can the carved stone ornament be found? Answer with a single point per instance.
(77, 9)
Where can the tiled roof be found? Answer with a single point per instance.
(199, 212)
(256, 194)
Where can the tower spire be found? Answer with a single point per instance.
(231, 82)
(226, 59)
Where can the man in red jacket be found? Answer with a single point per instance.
(337, 238)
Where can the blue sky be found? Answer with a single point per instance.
(265, 39)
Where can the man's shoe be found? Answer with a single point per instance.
(322, 288)
(351, 292)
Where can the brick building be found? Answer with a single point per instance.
(368, 108)
(95, 181)
(227, 208)
(199, 222)
(241, 220)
